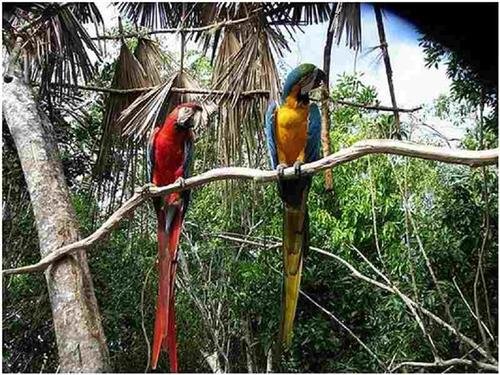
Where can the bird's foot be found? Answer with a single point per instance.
(297, 168)
(280, 168)
(145, 189)
(181, 181)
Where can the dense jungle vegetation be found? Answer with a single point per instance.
(426, 228)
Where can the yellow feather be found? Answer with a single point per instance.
(293, 238)
(291, 138)
(291, 129)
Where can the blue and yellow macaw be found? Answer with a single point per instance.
(293, 132)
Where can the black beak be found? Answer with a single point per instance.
(320, 78)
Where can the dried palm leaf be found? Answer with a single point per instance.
(128, 74)
(151, 108)
(208, 106)
(161, 15)
(115, 159)
(348, 18)
(297, 14)
(139, 117)
(205, 14)
(56, 41)
(251, 67)
(149, 56)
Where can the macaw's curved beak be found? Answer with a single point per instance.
(320, 78)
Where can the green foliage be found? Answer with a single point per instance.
(229, 293)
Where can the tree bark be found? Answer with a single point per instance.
(80, 337)
(325, 93)
(388, 69)
(247, 338)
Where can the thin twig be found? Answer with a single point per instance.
(486, 226)
(374, 216)
(376, 107)
(409, 217)
(339, 322)
(412, 306)
(471, 311)
(182, 90)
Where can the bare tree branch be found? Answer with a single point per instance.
(388, 69)
(265, 93)
(448, 362)
(212, 28)
(339, 322)
(377, 107)
(358, 150)
(179, 90)
(472, 312)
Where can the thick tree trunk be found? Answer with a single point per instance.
(388, 69)
(80, 337)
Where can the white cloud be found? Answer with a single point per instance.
(414, 83)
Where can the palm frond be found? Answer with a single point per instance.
(87, 13)
(128, 74)
(56, 41)
(149, 56)
(118, 163)
(151, 108)
(348, 18)
(297, 14)
(251, 67)
(161, 14)
(143, 114)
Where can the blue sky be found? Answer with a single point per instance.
(414, 83)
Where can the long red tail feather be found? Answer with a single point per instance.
(163, 286)
(174, 237)
(164, 329)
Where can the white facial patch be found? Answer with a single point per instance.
(184, 114)
(309, 84)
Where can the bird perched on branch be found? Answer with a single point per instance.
(293, 132)
(170, 150)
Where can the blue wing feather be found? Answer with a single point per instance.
(313, 144)
(188, 157)
(270, 133)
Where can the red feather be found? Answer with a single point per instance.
(168, 154)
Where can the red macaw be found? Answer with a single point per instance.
(169, 155)
(293, 132)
